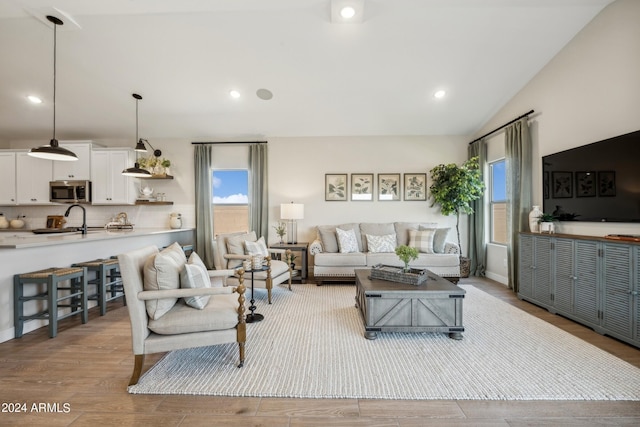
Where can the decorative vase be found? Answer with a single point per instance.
(534, 226)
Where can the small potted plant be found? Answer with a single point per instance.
(406, 255)
(546, 221)
(281, 230)
(166, 164)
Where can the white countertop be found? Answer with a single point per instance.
(19, 239)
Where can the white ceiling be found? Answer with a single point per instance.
(183, 57)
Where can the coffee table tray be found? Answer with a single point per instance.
(390, 273)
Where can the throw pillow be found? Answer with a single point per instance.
(347, 241)
(439, 238)
(386, 243)
(258, 247)
(194, 258)
(162, 271)
(235, 246)
(193, 276)
(422, 240)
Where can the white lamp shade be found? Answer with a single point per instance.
(292, 211)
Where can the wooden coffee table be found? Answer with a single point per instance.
(434, 306)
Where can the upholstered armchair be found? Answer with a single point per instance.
(233, 248)
(174, 317)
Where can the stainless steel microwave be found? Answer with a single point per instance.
(70, 191)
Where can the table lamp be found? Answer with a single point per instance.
(292, 212)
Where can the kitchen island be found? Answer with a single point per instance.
(22, 252)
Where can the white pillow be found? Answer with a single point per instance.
(194, 276)
(347, 242)
(194, 258)
(258, 247)
(162, 271)
(439, 238)
(386, 243)
(422, 240)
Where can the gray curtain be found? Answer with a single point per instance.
(204, 212)
(477, 245)
(258, 190)
(519, 188)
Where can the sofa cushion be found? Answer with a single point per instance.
(327, 234)
(439, 238)
(402, 231)
(277, 268)
(347, 241)
(355, 259)
(422, 240)
(221, 312)
(424, 260)
(375, 229)
(386, 243)
(162, 271)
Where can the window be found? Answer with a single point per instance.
(498, 190)
(230, 201)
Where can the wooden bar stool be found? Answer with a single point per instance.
(73, 296)
(107, 280)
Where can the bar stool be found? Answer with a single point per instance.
(107, 280)
(73, 296)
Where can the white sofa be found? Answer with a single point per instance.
(330, 263)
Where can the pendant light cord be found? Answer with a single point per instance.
(55, 43)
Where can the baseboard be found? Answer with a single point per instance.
(498, 278)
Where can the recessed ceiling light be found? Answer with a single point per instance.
(34, 99)
(439, 94)
(347, 12)
(234, 94)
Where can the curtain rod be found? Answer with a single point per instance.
(503, 126)
(229, 142)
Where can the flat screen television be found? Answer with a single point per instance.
(598, 182)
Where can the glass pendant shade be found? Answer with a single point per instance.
(53, 151)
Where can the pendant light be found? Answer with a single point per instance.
(136, 171)
(53, 151)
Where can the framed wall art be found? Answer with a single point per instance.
(335, 187)
(607, 184)
(585, 184)
(389, 186)
(415, 186)
(561, 185)
(361, 186)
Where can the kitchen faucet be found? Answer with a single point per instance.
(83, 229)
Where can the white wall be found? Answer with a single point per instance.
(589, 92)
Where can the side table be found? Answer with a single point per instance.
(254, 317)
(303, 249)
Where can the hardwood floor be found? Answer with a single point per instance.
(80, 378)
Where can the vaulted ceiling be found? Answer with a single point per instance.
(376, 77)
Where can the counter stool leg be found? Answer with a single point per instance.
(102, 292)
(52, 304)
(83, 281)
(18, 306)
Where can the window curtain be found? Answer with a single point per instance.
(519, 188)
(204, 212)
(258, 190)
(477, 245)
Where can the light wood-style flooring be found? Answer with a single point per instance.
(80, 378)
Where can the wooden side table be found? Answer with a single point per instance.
(303, 248)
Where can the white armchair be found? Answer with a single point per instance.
(230, 251)
(220, 321)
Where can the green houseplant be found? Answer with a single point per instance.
(546, 221)
(406, 255)
(454, 188)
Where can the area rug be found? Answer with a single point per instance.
(311, 345)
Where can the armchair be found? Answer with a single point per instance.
(220, 321)
(230, 251)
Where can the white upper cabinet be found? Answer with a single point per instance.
(109, 186)
(8, 178)
(32, 179)
(76, 170)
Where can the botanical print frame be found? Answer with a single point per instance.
(361, 186)
(586, 184)
(335, 187)
(562, 185)
(389, 186)
(415, 186)
(606, 183)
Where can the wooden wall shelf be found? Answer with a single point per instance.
(159, 177)
(148, 202)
